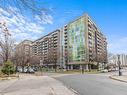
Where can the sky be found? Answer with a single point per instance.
(109, 15)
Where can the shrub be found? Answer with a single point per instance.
(8, 68)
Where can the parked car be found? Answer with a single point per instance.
(19, 70)
(31, 70)
(104, 71)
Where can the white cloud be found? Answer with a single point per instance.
(20, 27)
(119, 46)
(46, 19)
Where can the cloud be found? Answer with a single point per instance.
(119, 46)
(21, 27)
(46, 19)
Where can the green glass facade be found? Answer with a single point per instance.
(76, 40)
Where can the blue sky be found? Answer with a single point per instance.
(109, 15)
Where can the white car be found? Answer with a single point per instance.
(31, 70)
(104, 71)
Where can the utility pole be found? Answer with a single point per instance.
(82, 69)
(119, 65)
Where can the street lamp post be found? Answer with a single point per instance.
(119, 65)
(82, 69)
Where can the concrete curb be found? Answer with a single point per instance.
(68, 90)
(71, 89)
(8, 78)
(74, 91)
(112, 77)
(68, 87)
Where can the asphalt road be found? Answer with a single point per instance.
(96, 84)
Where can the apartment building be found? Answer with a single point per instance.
(64, 42)
(48, 49)
(77, 44)
(86, 45)
(22, 51)
(24, 46)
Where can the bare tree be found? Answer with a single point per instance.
(34, 60)
(23, 54)
(24, 59)
(20, 57)
(6, 42)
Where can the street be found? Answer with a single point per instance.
(86, 84)
(94, 84)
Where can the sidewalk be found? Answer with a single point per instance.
(119, 78)
(35, 85)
